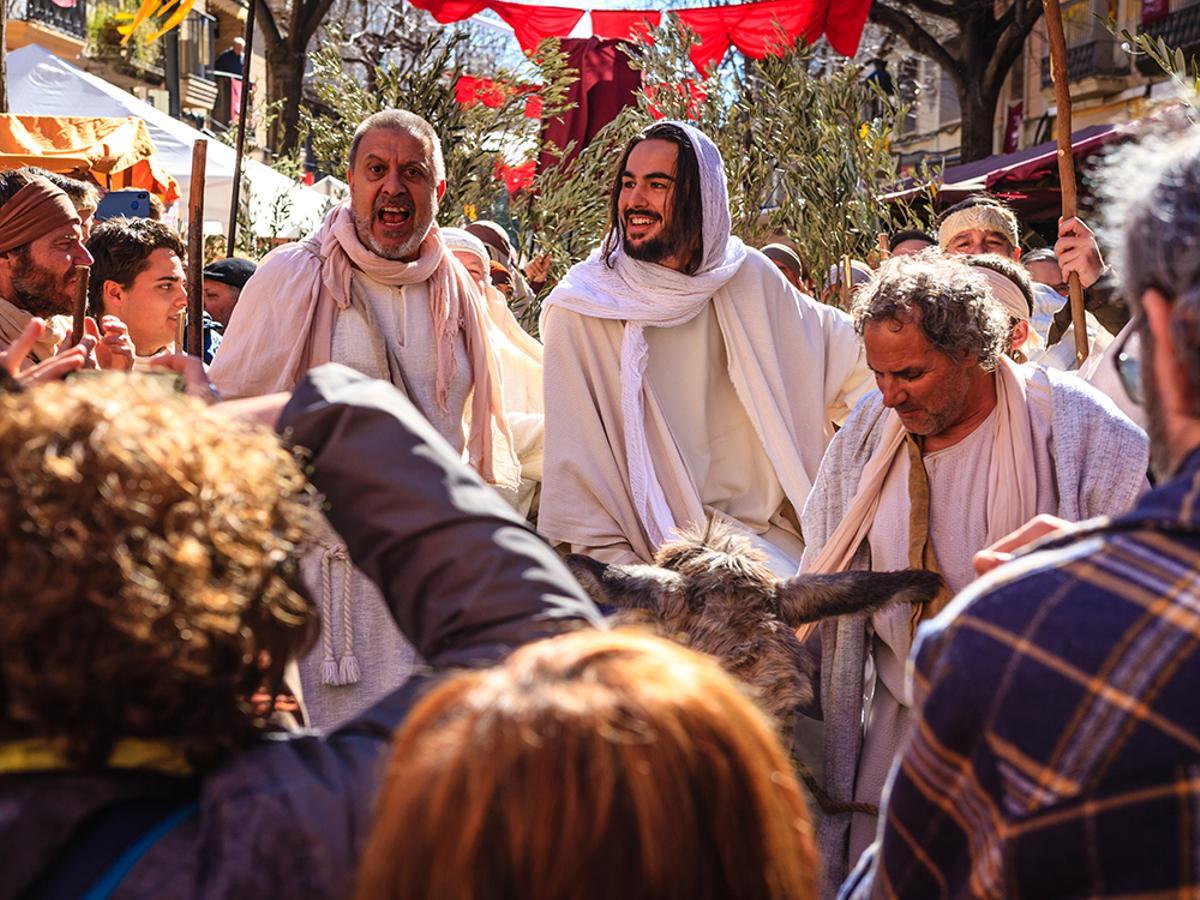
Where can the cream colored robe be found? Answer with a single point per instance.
(796, 366)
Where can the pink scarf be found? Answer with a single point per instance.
(301, 302)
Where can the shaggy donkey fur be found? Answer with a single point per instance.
(711, 590)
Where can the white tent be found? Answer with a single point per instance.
(41, 84)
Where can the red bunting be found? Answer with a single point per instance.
(625, 25)
(754, 28)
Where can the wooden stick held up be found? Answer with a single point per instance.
(1066, 160)
(79, 311)
(194, 344)
(847, 281)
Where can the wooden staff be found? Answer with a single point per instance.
(194, 345)
(243, 111)
(847, 274)
(1066, 160)
(180, 330)
(83, 277)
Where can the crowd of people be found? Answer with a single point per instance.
(293, 619)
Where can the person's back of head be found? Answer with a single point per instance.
(597, 764)
(149, 576)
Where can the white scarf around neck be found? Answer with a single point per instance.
(646, 295)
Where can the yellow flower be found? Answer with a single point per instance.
(470, 212)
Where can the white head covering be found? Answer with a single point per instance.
(1011, 298)
(646, 294)
(457, 239)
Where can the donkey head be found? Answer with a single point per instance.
(711, 589)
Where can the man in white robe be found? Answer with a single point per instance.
(376, 289)
(959, 447)
(685, 379)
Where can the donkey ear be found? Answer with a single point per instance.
(627, 586)
(810, 598)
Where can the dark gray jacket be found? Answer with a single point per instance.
(466, 580)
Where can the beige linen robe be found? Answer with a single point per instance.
(796, 367)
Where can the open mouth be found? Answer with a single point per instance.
(641, 220)
(394, 215)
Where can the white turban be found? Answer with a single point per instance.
(456, 239)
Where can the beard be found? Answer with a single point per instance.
(654, 250)
(38, 290)
(422, 221)
(1162, 463)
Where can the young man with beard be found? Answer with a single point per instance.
(1056, 734)
(376, 289)
(41, 250)
(959, 447)
(686, 379)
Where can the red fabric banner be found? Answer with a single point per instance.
(516, 178)
(1153, 10)
(754, 28)
(625, 25)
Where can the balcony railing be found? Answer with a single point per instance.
(1087, 60)
(1180, 29)
(72, 21)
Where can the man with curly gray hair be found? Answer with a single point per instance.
(957, 448)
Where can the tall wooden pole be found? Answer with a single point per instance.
(243, 111)
(79, 310)
(194, 345)
(1066, 160)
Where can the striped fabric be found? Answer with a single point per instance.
(1055, 749)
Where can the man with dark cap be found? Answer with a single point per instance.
(787, 262)
(223, 283)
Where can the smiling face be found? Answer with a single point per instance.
(41, 278)
(152, 304)
(394, 192)
(929, 391)
(646, 199)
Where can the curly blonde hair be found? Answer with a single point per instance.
(149, 578)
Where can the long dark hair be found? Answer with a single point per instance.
(684, 234)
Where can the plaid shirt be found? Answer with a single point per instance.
(1055, 749)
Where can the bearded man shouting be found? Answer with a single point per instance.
(376, 289)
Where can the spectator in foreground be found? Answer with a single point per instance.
(1056, 733)
(138, 619)
(591, 765)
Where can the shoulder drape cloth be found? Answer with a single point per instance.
(283, 326)
(1010, 505)
(645, 294)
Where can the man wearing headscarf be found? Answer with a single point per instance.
(959, 447)
(374, 288)
(500, 249)
(983, 225)
(686, 380)
(41, 250)
(519, 356)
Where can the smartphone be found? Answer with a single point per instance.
(131, 204)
